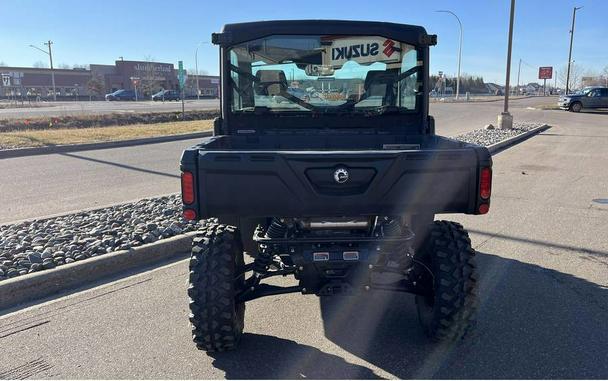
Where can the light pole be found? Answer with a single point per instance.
(570, 51)
(198, 90)
(518, 73)
(459, 51)
(505, 119)
(50, 54)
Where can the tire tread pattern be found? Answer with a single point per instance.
(217, 320)
(448, 250)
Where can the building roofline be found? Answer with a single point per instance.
(17, 68)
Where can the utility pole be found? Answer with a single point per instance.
(198, 90)
(555, 82)
(459, 52)
(505, 119)
(52, 71)
(518, 72)
(570, 51)
(50, 54)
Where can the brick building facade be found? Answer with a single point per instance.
(98, 80)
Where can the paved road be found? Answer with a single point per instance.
(544, 300)
(49, 184)
(102, 107)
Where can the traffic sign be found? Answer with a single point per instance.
(545, 72)
(180, 74)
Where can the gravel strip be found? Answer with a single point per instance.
(37, 245)
(487, 137)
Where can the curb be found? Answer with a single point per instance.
(18, 152)
(487, 100)
(35, 286)
(500, 146)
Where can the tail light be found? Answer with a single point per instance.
(485, 183)
(187, 188)
(483, 208)
(189, 214)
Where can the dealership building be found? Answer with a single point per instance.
(96, 81)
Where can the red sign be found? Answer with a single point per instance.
(545, 72)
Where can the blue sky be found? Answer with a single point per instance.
(101, 31)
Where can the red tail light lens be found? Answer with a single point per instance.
(189, 214)
(485, 183)
(187, 188)
(484, 208)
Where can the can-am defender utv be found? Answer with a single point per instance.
(325, 166)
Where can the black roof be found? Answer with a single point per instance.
(236, 33)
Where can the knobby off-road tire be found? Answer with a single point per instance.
(449, 312)
(215, 279)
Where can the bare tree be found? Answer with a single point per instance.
(2, 63)
(63, 66)
(576, 74)
(190, 85)
(40, 65)
(96, 85)
(192, 71)
(149, 79)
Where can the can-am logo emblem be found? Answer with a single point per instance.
(388, 47)
(341, 175)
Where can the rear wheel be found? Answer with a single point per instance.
(448, 311)
(576, 107)
(215, 279)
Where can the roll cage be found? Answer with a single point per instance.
(258, 122)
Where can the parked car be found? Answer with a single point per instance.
(121, 95)
(589, 97)
(166, 95)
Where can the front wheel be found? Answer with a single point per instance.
(576, 107)
(215, 279)
(448, 310)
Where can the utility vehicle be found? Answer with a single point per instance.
(337, 191)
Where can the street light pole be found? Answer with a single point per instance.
(505, 119)
(459, 51)
(198, 90)
(50, 54)
(570, 51)
(518, 72)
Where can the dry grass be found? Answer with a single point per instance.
(547, 107)
(41, 138)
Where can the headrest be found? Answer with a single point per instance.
(271, 82)
(377, 77)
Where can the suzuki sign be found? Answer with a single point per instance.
(362, 50)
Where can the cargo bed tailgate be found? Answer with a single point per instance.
(337, 183)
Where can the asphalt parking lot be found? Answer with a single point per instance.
(544, 296)
(102, 107)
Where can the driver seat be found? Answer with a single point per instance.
(270, 82)
(381, 83)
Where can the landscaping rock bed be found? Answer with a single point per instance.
(488, 136)
(37, 245)
(86, 121)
